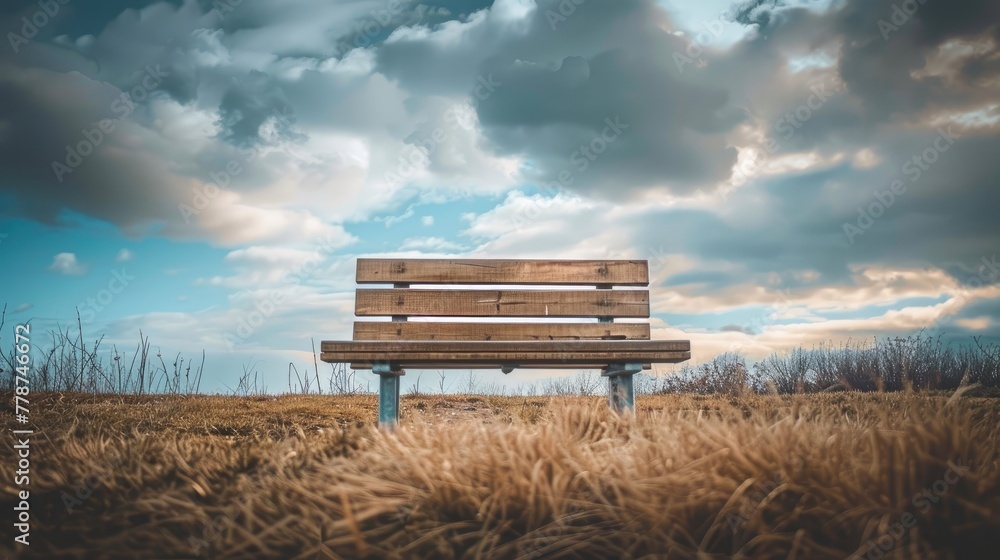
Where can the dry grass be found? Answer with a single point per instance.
(806, 476)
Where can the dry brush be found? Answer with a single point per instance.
(808, 476)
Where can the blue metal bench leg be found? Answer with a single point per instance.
(388, 394)
(621, 394)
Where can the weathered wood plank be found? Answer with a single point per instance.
(502, 303)
(370, 330)
(499, 271)
(484, 365)
(522, 359)
(523, 353)
(376, 347)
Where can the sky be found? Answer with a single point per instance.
(795, 172)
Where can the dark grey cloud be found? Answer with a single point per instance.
(72, 18)
(756, 12)
(560, 78)
(56, 93)
(948, 218)
(42, 155)
(878, 66)
(890, 97)
(737, 328)
(121, 50)
(151, 78)
(670, 130)
(251, 103)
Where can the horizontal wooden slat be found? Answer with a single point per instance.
(456, 365)
(520, 358)
(502, 303)
(376, 347)
(522, 353)
(499, 271)
(369, 330)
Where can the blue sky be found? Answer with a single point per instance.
(795, 172)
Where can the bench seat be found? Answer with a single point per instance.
(522, 354)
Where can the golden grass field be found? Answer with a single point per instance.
(804, 476)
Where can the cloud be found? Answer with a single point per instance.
(737, 328)
(167, 166)
(23, 307)
(755, 12)
(65, 263)
(256, 110)
(390, 221)
(430, 244)
(124, 255)
(268, 266)
(735, 167)
(975, 323)
(514, 227)
(546, 96)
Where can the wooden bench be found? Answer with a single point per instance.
(477, 289)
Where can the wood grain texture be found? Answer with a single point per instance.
(484, 365)
(522, 353)
(489, 345)
(521, 359)
(377, 347)
(502, 303)
(369, 330)
(499, 271)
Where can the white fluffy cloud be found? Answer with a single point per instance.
(66, 263)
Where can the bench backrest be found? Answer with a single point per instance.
(477, 289)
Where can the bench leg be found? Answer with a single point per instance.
(621, 394)
(388, 394)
